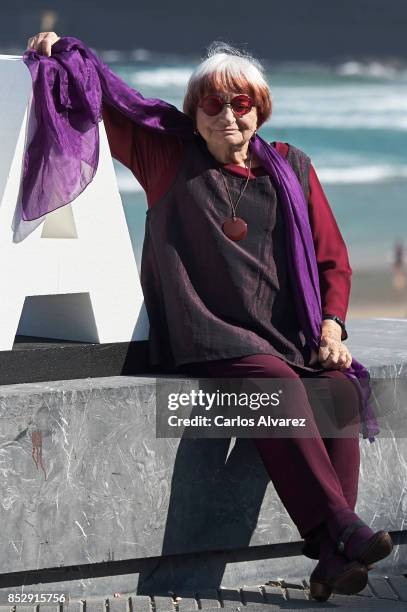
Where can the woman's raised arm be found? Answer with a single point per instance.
(152, 157)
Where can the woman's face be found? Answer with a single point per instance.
(226, 128)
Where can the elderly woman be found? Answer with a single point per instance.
(221, 296)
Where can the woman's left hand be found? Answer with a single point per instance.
(333, 354)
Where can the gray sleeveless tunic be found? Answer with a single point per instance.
(208, 297)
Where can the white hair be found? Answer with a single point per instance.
(225, 59)
(227, 68)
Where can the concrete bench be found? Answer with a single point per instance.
(85, 481)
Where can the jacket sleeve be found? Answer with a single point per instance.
(332, 256)
(119, 130)
(153, 158)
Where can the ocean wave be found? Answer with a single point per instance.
(377, 98)
(161, 77)
(364, 106)
(328, 176)
(113, 56)
(361, 174)
(345, 121)
(372, 69)
(141, 55)
(125, 57)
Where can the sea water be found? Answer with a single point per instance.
(350, 119)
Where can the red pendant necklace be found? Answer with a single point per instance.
(234, 227)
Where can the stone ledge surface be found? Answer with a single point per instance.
(86, 481)
(380, 344)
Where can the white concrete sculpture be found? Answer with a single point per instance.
(72, 274)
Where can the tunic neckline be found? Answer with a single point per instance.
(235, 169)
(241, 172)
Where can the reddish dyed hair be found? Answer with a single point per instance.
(227, 69)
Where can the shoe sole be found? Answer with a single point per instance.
(351, 581)
(380, 547)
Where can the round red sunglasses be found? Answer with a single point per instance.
(212, 105)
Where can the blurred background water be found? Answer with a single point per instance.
(351, 119)
(339, 82)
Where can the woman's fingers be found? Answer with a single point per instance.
(46, 46)
(334, 354)
(329, 359)
(342, 359)
(341, 363)
(42, 42)
(348, 360)
(328, 349)
(34, 41)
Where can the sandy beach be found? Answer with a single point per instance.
(374, 295)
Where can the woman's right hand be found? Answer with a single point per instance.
(42, 42)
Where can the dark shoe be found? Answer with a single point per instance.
(312, 546)
(367, 550)
(377, 548)
(351, 579)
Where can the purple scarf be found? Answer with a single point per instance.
(62, 158)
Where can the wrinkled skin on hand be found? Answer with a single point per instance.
(42, 42)
(333, 354)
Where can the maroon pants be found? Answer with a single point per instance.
(314, 477)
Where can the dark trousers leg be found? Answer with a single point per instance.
(344, 452)
(301, 469)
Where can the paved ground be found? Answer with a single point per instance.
(382, 593)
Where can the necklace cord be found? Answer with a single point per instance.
(234, 206)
